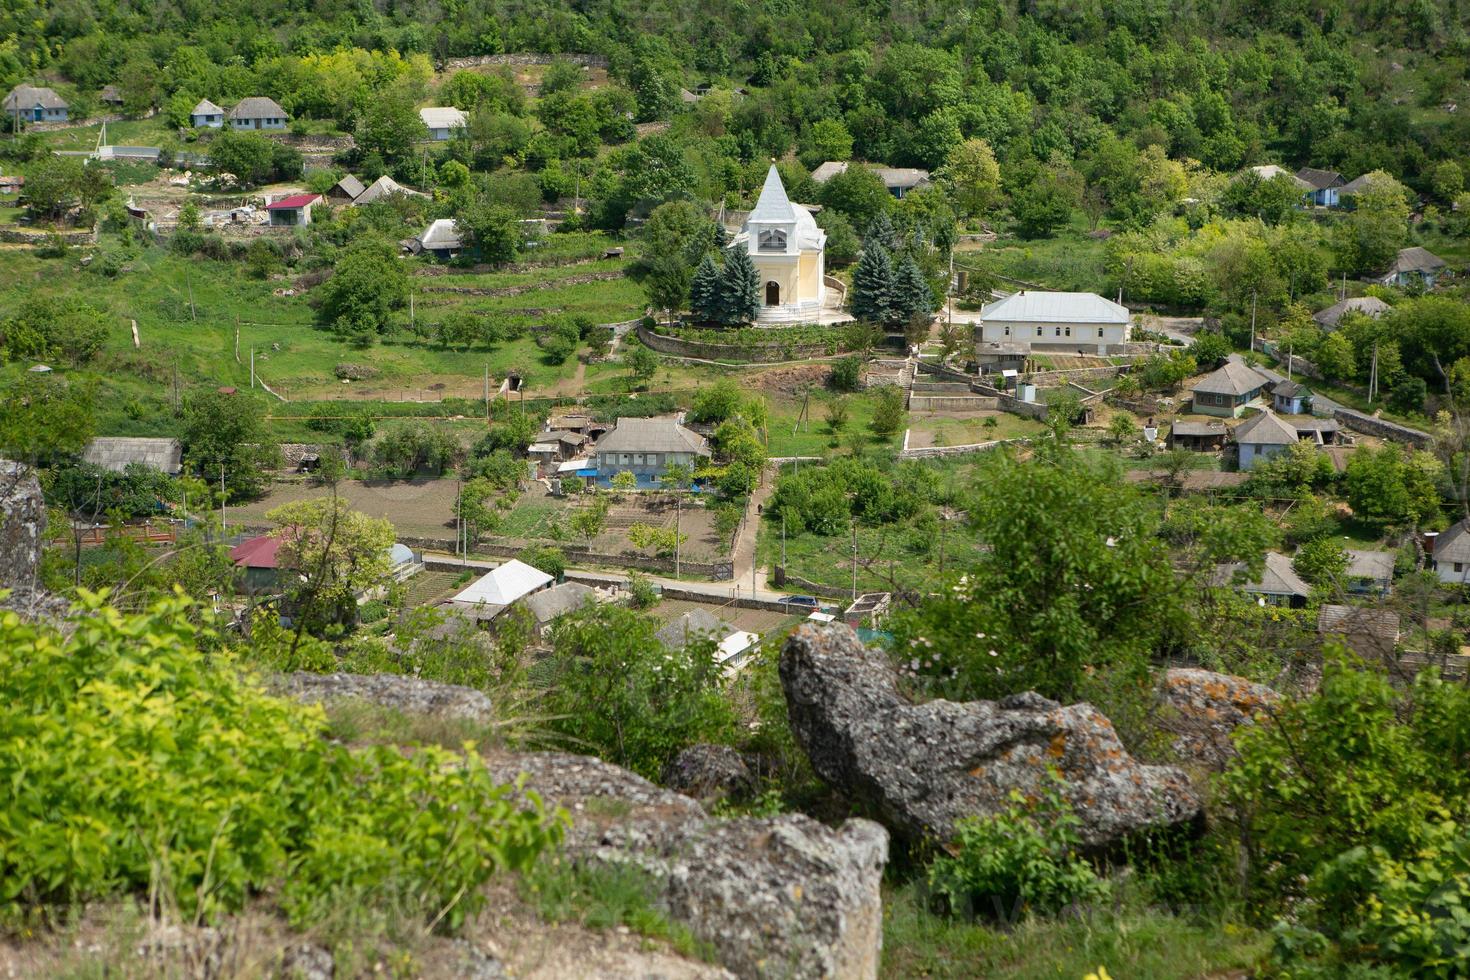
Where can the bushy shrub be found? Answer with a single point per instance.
(847, 374)
(137, 762)
(1018, 862)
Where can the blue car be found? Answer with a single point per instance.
(801, 600)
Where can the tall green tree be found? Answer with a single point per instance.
(367, 285)
(740, 298)
(225, 439)
(704, 291)
(872, 298)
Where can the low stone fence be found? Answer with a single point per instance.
(824, 591)
(719, 571)
(939, 452)
(763, 354)
(1382, 428)
(37, 237)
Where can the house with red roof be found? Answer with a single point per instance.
(256, 559)
(293, 210)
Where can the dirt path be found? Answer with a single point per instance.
(744, 552)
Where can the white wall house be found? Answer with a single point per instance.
(442, 121)
(30, 103)
(206, 115)
(1262, 436)
(257, 112)
(1452, 555)
(1062, 322)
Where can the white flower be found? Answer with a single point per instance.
(994, 654)
(1112, 542)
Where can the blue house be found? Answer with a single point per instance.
(33, 104)
(1325, 185)
(1291, 398)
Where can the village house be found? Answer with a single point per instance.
(255, 560)
(1278, 584)
(897, 180)
(1354, 187)
(31, 103)
(1369, 632)
(442, 121)
(1079, 323)
(1270, 171)
(206, 115)
(1369, 306)
(1262, 436)
(117, 453)
(1201, 437)
(1414, 266)
(787, 249)
(549, 604)
(490, 594)
(345, 191)
(441, 240)
(731, 644)
(1227, 391)
(257, 112)
(1291, 398)
(1451, 554)
(110, 96)
(293, 210)
(1325, 186)
(556, 447)
(1369, 572)
(384, 187)
(647, 447)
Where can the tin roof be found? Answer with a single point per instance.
(1034, 306)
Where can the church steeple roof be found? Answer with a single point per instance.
(773, 204)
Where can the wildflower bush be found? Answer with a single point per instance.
(1021, 861)
(136, 761)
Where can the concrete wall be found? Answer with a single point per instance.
(720, 571)
(952, 403)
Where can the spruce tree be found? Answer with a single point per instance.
(872, 286)
(912, 296)
(704, 291)
(740, 297)
(881, 232)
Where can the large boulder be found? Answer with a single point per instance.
(773, 897)
(925, 766)
(1202, 710)
(397, 692)
(709, 773)
(22, 527)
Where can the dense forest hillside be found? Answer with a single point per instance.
(1355, 87)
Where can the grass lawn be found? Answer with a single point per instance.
(127, 132)
(886, 555)
(960, 429)
(1069, 260)
(1139, 945)
(812, 436)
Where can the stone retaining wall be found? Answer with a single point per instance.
(1053, 379)
(19, 236)
(937, 452)
(766, 354)
(1382, 428)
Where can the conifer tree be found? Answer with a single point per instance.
(912, 296)
(881, 232)
(739, 289)
(704, 291)
(872, 286)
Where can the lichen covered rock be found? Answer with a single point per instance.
(1202, 710)
(926, 766)
(398, 692)
(709, 772)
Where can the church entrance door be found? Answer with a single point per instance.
(773, 294)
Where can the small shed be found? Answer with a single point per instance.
(442, 121)
(1291, 398)
(293, 210)
(441, 239)
(110, 96)
(868, 610)
(206, 115)
(1202, 437)
(256, 558)
(346, 190)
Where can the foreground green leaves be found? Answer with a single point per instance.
(135, 761)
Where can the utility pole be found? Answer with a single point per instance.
(252, 368)
(783, 538)
(1288, 362)
(1253, 320)
(853, 524)
(1373, 375)
(678, 496)
(222, 515)
(487, 391)
(410, 309)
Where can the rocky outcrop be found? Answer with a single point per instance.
(1202, 710)
(925, 766)
(22, 526)
(398, 692)
(709, 772)
(773, 897)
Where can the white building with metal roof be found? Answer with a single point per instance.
(442, 121)
(788, 251)
(1048, 321)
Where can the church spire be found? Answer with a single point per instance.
(773, 204)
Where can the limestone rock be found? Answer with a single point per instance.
(925, 766)
(1203, 709)
(399, 692)
(709, 772)
(775, 897)
(22, 526)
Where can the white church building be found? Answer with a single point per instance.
(786, 247)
